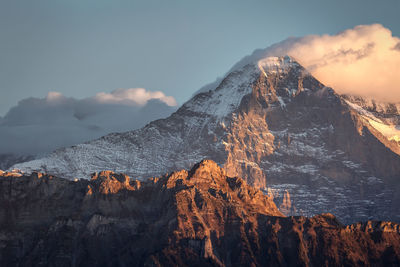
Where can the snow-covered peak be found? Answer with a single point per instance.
(269, 122)
(277, 64)
(262, 63)
(226, 97)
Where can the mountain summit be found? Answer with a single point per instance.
(272, 123)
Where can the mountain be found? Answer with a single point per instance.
(272, 123)
(383, 119)
(200, 217)
(8, 160)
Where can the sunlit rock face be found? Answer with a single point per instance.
(276, 126)
(196, 217)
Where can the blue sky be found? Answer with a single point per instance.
(80, 48)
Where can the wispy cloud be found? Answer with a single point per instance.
(134, 96)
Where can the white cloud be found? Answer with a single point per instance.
(134, 96)
(364, 60)
(40, 125)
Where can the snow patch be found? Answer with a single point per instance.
(391, 132)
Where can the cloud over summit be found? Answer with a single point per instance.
(363, 60)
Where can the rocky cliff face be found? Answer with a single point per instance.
(200, 217)
(276, 126)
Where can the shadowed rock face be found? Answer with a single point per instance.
(276, 126)
(200, 217)
(8, 160)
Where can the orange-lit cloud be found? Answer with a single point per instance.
(364, 60)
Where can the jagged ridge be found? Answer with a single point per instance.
(199, 217)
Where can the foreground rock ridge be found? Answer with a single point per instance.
(279, 128)
(200, 217)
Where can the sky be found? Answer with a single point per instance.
(84, 47)
(72, 71)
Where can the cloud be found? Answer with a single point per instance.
(134, 96)
(41, 125)
(358, 61)
(364, 60)
(54, 97)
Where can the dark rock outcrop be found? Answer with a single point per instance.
(200, 217)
